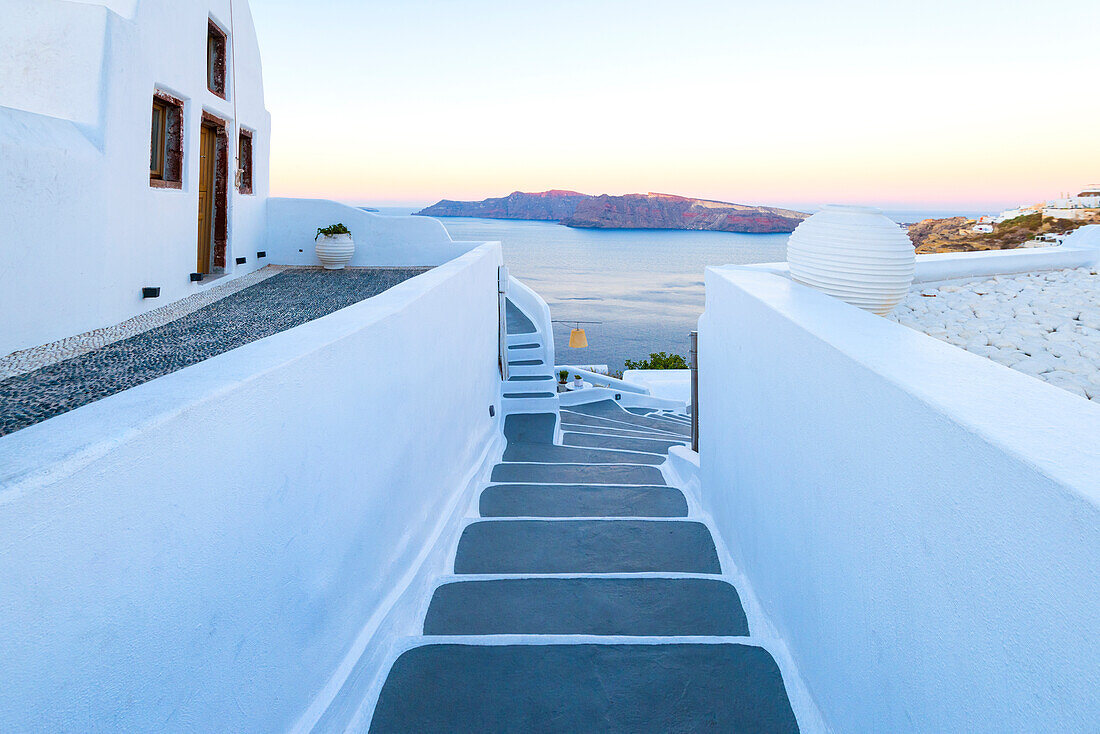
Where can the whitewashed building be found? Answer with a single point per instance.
(134, 144)
(134, 154)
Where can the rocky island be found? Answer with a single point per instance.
(632, 211)
(956, 234)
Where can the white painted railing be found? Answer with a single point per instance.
(598, 380)
(1080, 249)
(536, 309)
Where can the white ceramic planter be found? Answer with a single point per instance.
(335, 250)
(856, 254)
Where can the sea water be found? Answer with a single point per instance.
(644, 288)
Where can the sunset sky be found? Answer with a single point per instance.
(916, 104)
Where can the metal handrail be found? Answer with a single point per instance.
(695, 391)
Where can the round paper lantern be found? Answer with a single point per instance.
(856, 254)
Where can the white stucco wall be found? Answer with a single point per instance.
(379, 240)
(921, 525)
(209, 551)
(81, 229)
(668, 384)
(1079, 249)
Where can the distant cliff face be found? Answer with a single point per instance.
(548, 205)
(633, 211)
(664, 211)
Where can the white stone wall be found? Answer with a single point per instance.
(217, 550)
(920, 524)
(380, 241)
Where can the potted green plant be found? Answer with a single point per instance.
(563, 379)
(335, 246)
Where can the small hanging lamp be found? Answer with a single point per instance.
(577, 338)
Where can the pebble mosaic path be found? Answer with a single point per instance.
(27, 360)
(278, 302)
(1046, 325)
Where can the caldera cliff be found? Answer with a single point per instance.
(632, 211)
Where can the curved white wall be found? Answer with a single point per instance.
(922, 525)
(212, 550)
(83, 231)
(379, 240)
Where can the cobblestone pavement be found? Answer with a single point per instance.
(276, 304)
(27, 360)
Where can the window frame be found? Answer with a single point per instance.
(158, 139)
(217, 50)
(245, 186)
(170, 155)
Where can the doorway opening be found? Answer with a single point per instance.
(213, 196)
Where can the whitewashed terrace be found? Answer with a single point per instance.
(1042, 324)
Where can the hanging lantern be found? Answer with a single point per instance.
(577, 339)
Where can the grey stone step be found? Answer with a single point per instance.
(576, 474)
(530, 428)
(567, 425)
(610, 409)
(587, 606)
(517, 321)
(522, 395)
(524, 346)
(524, 363)
(586, 546)
(618, 442)
(530, 378)
(569, 416)
(584, 688)
(547, 453)
(581, 500)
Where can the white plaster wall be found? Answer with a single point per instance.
(203, 552)
(1079, 249)
(668, 384)
(379, 240)
(921, 525)
(82, 230)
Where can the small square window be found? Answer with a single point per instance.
(166, 143)
(215, 60)
(244, 164)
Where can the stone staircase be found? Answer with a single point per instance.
(531, 386)
(585, 597)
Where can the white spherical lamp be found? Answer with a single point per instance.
(856, 254)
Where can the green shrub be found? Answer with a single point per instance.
(658, 361)
(332, 229)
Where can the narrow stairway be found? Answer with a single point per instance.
(530, 387)
(585, 598)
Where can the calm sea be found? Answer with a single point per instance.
(645, 287)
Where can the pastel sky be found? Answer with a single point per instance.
(937, 103)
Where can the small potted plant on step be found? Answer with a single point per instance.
(334, 246)
(563, 378)
(578, 383)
